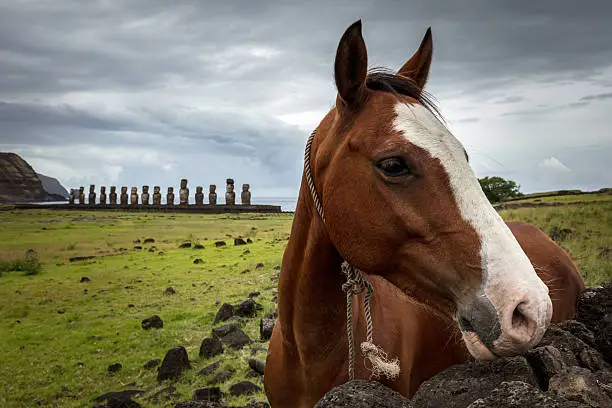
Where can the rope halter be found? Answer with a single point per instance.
(355, 284)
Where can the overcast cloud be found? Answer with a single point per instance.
(152, 91)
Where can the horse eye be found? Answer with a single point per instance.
(394, 167)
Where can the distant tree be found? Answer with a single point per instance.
(497, 188)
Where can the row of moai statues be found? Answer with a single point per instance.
(132, 199)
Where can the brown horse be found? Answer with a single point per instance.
(450, 279)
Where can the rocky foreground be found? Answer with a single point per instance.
(570, 368)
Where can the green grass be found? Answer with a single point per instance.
(59, 336)
(51, 323)
(590, 222)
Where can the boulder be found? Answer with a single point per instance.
(575, 352)
(120, 399)
(175, 362)
(224, 330)
(594, 309)
(153, 322)
(248, 308)
(165, 394)
(231, 335)
(209, 369)
(149, 365)
(460, 385)
(212, 394)
(225, 312)
(257, 365)
(266, 326)
(546, 361)
(244, 388)
(221, 377)
(603, 338)
(579, 330)
(517, 394)
(363, 394)
(580, 385)
(210, 347)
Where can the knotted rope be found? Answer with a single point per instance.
(355, 284)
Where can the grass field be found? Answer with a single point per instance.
(587, 221)
(59, 335)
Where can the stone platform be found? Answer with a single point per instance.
(191, 209)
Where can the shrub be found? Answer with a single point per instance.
(29, 264)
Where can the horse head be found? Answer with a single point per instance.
(401, 201)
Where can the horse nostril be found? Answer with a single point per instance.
(518, 318)
(466, 325)
(523, 324)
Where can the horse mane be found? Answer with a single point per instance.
(384, 80)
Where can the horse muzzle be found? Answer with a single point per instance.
(516, 325)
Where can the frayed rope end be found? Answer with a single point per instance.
(379, 361)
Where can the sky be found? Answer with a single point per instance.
(146, 92)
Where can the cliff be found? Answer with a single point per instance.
(52, 186)
(20, 183)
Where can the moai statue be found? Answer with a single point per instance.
(212, 194)
(156, 196)
(124, 196)
(170, 197)
(134, 196)
(230, 195)
(81, 195)
(199, 196)
(102, 195)
(112, 197)
(92, 194)
(245, 196)
(184, 193)
(145, 195)
(71, 197)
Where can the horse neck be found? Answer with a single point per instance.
(311, 303)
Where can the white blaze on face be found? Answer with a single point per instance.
(509, 278)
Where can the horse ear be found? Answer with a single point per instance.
(351, 66)
(417, 67)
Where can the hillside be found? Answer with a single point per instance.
(20, 183)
